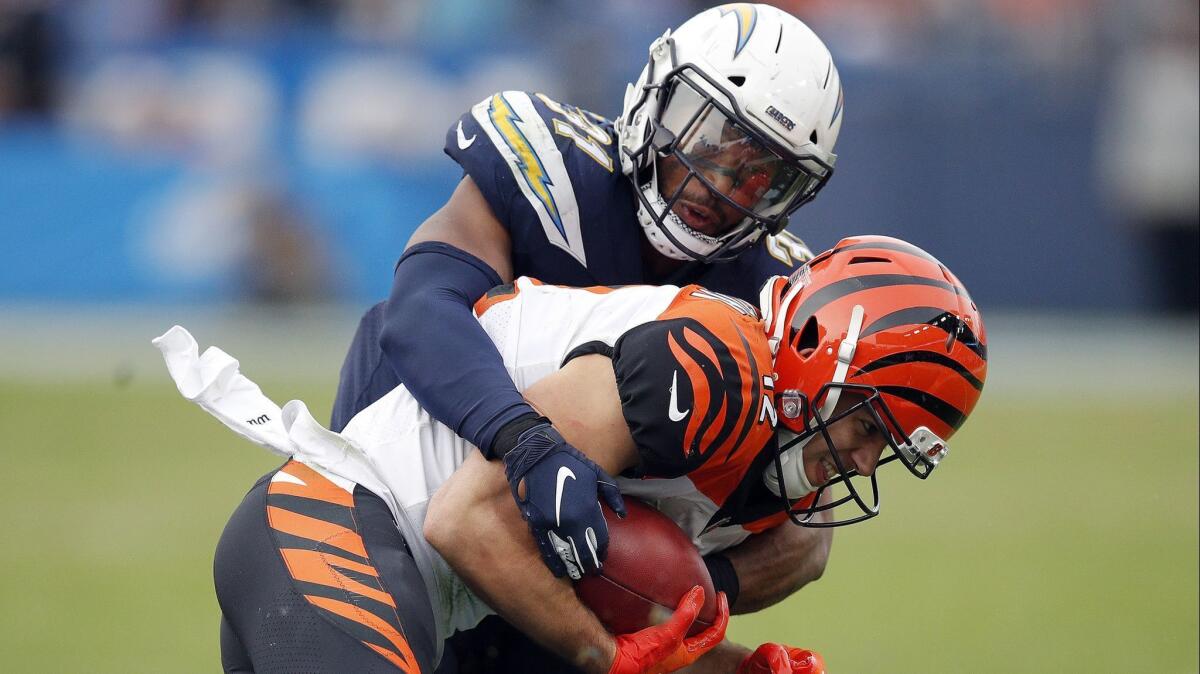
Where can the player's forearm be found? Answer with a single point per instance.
(771, 566)
(474, 524)
(518, 586)
(433, 341)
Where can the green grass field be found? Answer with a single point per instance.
(1060, 536)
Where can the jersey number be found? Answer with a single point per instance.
(587, 135)
(788, 249)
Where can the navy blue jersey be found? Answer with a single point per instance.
(551, 174)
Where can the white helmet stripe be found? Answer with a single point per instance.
(845, 354)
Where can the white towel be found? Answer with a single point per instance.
(214, 382)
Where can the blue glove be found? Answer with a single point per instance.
(561, 503)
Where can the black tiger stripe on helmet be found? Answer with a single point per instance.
(887, 321)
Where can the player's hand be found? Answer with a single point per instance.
(666, 647)
(560, 500)
(780, 659)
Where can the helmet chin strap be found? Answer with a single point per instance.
(792, 459)
(775, 317)
(794, 477)
(845, 354)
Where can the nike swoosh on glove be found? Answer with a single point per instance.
(780, 659)
(664, 648)
(561, 502)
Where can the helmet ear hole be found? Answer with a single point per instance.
(807, 340)
(737, 80)
(812, 137)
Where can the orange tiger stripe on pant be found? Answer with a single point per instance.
(334, 560)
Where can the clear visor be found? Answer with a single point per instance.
(730, 161)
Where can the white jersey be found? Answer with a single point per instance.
(398, 451)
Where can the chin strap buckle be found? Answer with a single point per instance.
(791, 404)
(664, 45)
(924, 451)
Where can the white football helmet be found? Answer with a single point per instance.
(743, 100)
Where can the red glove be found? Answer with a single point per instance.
(665, 648)
(779, 659)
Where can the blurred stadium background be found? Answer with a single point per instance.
(252, 168)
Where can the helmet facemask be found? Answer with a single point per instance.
(727, 174)
(881, 320)
(859, 494)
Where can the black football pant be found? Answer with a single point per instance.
(496, 647)
(311, 578)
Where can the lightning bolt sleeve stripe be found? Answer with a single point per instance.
(528, 146)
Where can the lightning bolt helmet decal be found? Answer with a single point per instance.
(747, 18)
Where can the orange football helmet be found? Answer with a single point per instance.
(881, 318)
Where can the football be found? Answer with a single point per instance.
(651, 564)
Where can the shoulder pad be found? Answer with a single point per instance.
(696, 384)
(543, 147)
